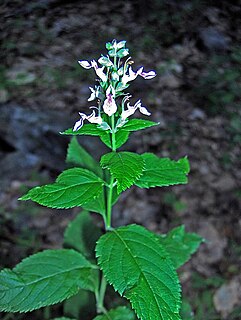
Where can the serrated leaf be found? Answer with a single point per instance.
(121, 137)
(82, 234)
(44, 279)
(77, 155)
(125, 167)
(120, 313)
(138, 124)
(136, 264)
(98, 204)
(73, 187)
(88, 129)
(180, 245)
(160, 172)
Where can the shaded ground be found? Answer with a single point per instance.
(195, 48)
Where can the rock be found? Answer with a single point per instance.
(213, 39)
(213, 249)
(225, 183)
(197, 114)
(3, 96)
(227, 297)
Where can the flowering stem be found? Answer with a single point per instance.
(113, 133)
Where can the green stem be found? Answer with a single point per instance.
(113, 133)
(100, 296)
(109, 204)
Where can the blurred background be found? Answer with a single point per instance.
(195, 48)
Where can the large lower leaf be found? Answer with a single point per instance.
(44, 279)
(77, 155)
(138, 124)
(82, 234)
(125, 167)
(136, 264)
(161, 172)
(120, 313)
(74, 187)
(180, 245)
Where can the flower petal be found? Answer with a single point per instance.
(85, 64)
(78, 124)
(148, 75)
(109, 105)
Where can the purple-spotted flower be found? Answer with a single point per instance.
(92, 118)
(109, 106)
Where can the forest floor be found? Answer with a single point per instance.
(194, 46)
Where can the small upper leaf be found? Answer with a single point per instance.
(138, 124)
(44, 279)
(161, 172)
(120, 313)
(73, 187)
(126, 167)
(180, 245)
(121, 137)
(88, 129)
(82, 234)
(79, 156)
(136, 264)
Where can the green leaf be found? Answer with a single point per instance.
(120, 136)
(120, 313)
(73, 187)
(136, 264)
(88, 129)
(161, 172)
(138, 124)
(63, 318)
(80, 306)
(98, 204)
(44, 279)
(79, 156)
(125, 167)
(82, 234)
(180, 245)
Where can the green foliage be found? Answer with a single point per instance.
(119, 313)
(82, 234)
(88, 129)
(121, 137)
(161, 172)
(63, 318)
(136, 264)
(77, 155)
(138, 124)
(43, 279)
(80, 306)
(125, 167)
(180, 245)
(73, 187)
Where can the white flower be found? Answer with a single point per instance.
(131, 110)
(92, 118)
(85, 64)
(131, 76)
(99, 71)
(148, 75)
(92, 95)
(109, 105)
